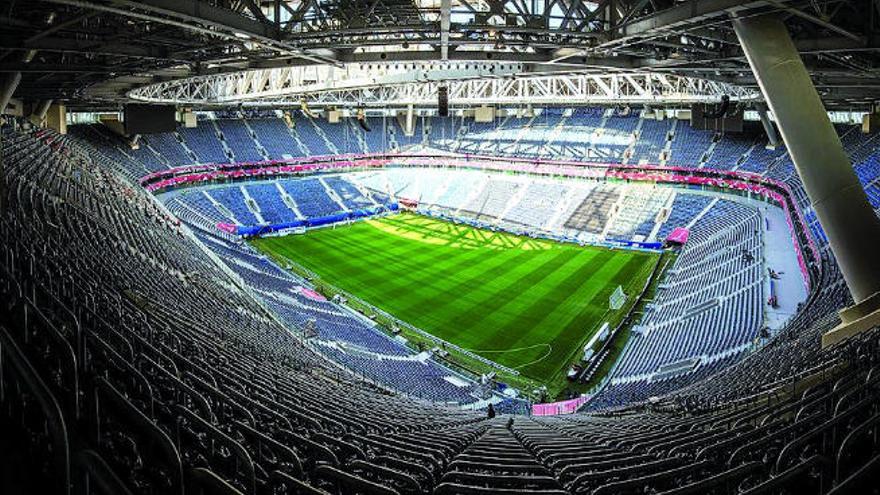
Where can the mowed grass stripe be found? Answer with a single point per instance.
(585, 308)
(441, 266)
(459, 296)
(412, 264)
(378, 249)
(402, 259)
(461, 292)
(542, 316)
(445, 270)
(454, 233)
(507, 297)
(487, 310)
(527, 304)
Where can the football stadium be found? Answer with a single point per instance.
(403, 247)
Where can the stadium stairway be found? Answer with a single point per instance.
(497, 463)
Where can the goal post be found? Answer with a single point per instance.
(617, 299)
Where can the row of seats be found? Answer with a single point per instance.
(729, 151)
(275, 202)
(725, 230)
(583, 133)
(634, 217)
(562, 207)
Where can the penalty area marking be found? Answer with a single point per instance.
(549, 350)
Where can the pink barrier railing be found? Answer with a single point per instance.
(259, 171)
(679, 235)
(555, 408)
(210, 167)
(311, 294)
(227, 227)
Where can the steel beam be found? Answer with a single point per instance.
(693, 12)
(408, 85)
(445, 9)
(202, 17)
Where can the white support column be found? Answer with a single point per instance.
(445, 16)
(769, 129)
(40, 111)
(834, 190)
(10, 84)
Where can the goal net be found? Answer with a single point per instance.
(617, 298)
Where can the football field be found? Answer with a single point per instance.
(524, 303)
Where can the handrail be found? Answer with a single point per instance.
(101, 476)
(55, 422)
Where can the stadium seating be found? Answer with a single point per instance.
(577, 135)
(684, 209)
(197, 205)
(709, 307)
(728, 152)
(537, 204)
(239, 139)
(311, 197)
(267, 198)
(375, 140)
(350, 195)
(108, 326)
(340, 336)
(309, 131)
(635, 214)
(617, 136)
(276, 202)
(652, 138)
(688, 146)
(204, 142)
(113, 147)
(275, 137)
(492, 200)
(607, 134)
(594, 134)
(167, 336)
(168, 147)
(595, 210)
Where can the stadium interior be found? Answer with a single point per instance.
(402, 247)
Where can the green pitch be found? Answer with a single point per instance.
(527, 304)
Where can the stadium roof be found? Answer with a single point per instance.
(417, 84)
(85, 51)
